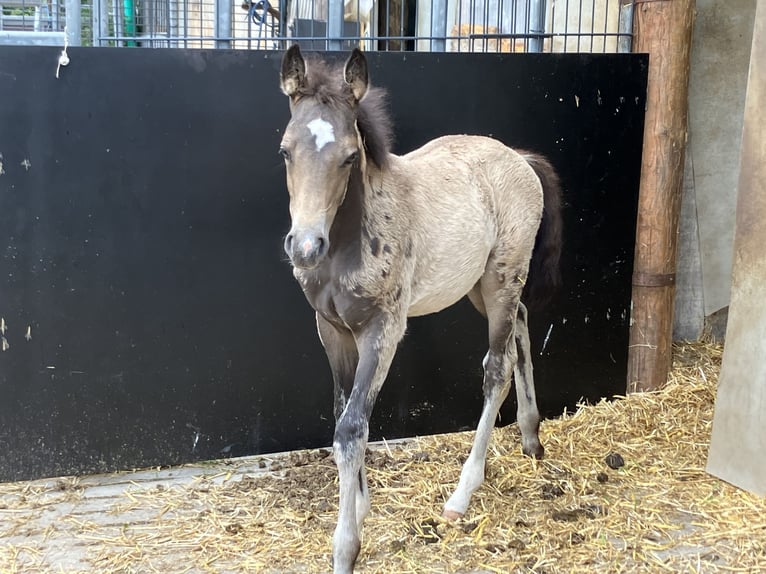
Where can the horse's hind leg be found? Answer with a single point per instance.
(500, 300)
(474, 295)
(527, 414)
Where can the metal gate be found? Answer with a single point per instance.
(389, 25)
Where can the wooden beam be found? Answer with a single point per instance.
(663, 29)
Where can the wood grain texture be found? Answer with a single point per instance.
(663, 30)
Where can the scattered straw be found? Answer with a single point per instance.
(659, 512)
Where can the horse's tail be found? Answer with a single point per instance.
(544, 273)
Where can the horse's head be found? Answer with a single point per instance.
(321, 145)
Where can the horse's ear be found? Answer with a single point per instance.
(293, 75)
(355, 73)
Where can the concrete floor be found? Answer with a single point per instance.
(42, 520)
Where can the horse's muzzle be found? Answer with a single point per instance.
(305, 249)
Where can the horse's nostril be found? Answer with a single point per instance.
(305, 249)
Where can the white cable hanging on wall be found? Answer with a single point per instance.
(63, 57)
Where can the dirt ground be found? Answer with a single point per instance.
(622, 489)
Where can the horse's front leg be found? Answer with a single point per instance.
(340, 347)
(376, 344)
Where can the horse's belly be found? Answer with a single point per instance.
(438, 288)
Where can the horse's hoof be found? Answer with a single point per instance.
(451, 515)
(537, 452)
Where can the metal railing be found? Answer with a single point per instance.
(406, 25)
(31, 22)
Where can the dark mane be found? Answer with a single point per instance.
(325, 83)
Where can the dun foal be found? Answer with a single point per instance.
(377, 238)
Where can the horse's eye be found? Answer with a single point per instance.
(351, 159)
(284, 153)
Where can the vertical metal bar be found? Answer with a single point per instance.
(431, 28)
(536, 24)
(203, 20)
(261, 28)
(115, 22)
(499, 22)
(553, 26)
(313, 19)
(460, 26)
(625, 28)
(579, 25)
(95, 21)
(153, 18)
(148, 24)
(593, 24)
(173, 27)
(439, 25)
(515, 25)
(487, 24)
(409, 24)
(95, 24)
(335, 24)
(521, 14)
(372, 26)
(478, 21)
(527, 11)
(73, 22)
(223, 9)
(387, 43)
(53, 20)
(249, 23)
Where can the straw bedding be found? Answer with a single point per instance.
(571, 512)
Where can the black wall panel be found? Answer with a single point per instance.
(149, 314)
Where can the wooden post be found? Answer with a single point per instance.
(662, 28)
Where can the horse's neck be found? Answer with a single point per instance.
(356, 211)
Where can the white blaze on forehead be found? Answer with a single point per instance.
(322, 131)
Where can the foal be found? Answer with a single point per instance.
(377, 238)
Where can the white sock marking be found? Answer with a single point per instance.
(322, 131)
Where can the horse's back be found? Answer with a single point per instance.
(467, 195)
(466, 163)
